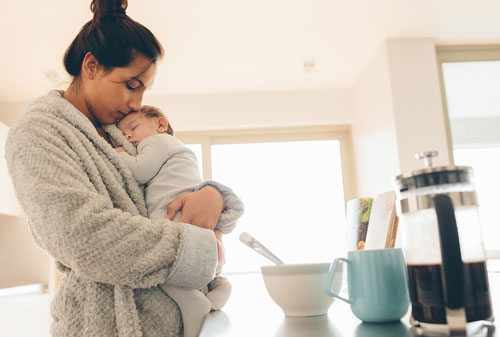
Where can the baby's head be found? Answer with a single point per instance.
(149, 121)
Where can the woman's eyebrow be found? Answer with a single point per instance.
(130, 79)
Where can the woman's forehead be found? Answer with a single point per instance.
(142, 69)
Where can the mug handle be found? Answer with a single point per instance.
(329, 280)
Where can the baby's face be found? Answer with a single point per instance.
(135, 126)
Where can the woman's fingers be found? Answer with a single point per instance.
(201, 208)
(175, 206)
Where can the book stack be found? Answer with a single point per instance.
(372, 222)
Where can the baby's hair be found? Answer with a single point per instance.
(152, 111)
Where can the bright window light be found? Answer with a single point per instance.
(486, 165)
(294, 201)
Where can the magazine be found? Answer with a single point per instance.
(372, 223)
(357, 217)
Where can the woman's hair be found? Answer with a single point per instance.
(112, 37)
(150, 111)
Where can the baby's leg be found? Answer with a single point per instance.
(194, 307)
(219, 290)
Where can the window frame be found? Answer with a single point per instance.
(460, 53)
(341, 133)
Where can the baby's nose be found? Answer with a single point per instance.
(129, 136)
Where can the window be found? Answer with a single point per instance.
(293, 186)
(470, 85)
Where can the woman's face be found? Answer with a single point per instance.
(113, 94)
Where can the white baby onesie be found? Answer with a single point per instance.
(168, 168)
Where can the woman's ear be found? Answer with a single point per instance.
(162, 124)
(90, 66)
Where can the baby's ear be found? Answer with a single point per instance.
(162, 124)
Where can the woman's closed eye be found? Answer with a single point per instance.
(130, 87)
(133, 84)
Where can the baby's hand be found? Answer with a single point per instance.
(119, 149)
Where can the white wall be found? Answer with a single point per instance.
(256, 109)
(398, 112)
(373, 130)
(21, 262)
(10, 111)
(416, 96)
(8, 202)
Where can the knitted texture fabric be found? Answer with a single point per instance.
(86, 210)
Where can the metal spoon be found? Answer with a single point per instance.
(255, 245)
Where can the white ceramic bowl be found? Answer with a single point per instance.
(299, 289)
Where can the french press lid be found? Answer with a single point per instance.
(433, 176)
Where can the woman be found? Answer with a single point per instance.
(83, 204)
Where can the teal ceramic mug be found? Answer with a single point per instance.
(377, 284)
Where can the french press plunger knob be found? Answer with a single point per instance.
(427, 157)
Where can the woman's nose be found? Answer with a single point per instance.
(135, 101)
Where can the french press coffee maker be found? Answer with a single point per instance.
(444, 251)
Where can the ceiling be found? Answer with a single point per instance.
(235, 45)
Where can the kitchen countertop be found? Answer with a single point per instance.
(251, 312)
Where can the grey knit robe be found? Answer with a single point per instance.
(86, 210)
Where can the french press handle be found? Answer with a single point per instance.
(452, 271)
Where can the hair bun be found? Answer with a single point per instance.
(104, 8)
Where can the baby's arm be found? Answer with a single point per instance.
(151, 156)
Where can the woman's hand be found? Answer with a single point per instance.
(201, 208)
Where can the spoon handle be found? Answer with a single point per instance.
(255, 245)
